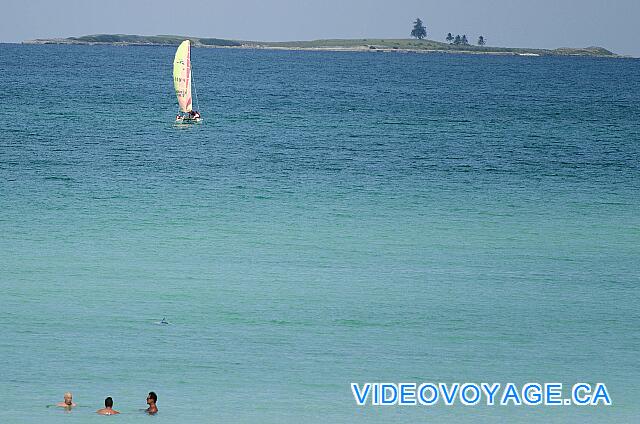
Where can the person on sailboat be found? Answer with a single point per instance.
(193, 114)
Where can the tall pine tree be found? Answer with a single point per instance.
(419, 31)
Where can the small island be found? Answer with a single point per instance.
(420, 45)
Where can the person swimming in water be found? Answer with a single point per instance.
(108, 408)
(152, 398)
(68, 401)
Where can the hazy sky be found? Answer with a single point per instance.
(613, 24)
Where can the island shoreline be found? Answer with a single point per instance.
(333, 45)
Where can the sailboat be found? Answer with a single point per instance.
(182, 83)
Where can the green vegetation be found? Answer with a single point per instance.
(459, 41)
(418, 31)
(219, 42)
(169, 40)
(404, 44)
(364, 44)
(481, 41)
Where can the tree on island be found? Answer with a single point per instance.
(481, 41)
(419, 31)
(449, 38)
(465, 42)
(457, 41)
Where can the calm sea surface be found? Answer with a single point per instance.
(337, 218)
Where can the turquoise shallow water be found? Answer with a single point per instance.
(338, 218)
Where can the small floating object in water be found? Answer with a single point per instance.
(163, 321)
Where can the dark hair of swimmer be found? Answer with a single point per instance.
(108, 402)
(153, 396)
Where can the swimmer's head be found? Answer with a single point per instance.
(108, 402)
(152, 398)
(68, 398)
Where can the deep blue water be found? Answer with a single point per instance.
(338, 217)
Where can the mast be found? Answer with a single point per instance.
(195, 91)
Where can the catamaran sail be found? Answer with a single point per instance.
(182, 76)
(182, 83)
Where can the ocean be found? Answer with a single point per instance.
(338, 218)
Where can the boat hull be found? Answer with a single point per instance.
(189, 121)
